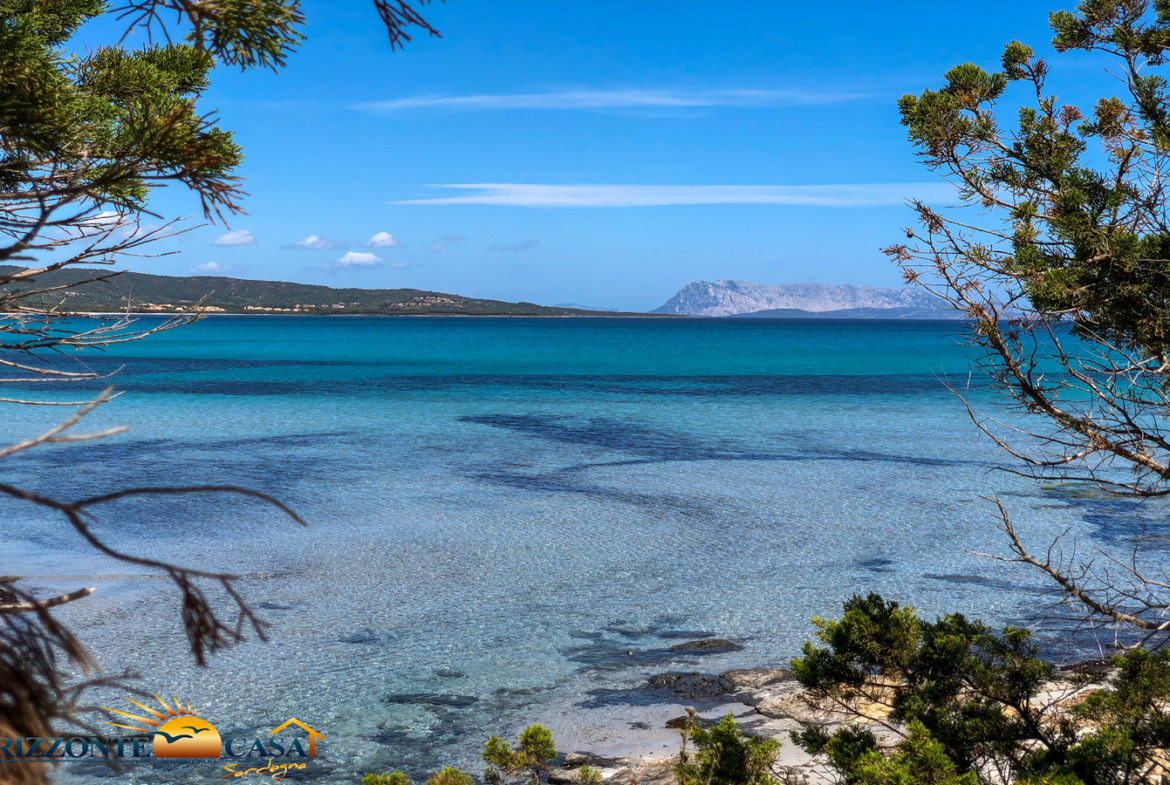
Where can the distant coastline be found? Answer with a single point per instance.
(633, 315)
(87, 290)
(101, 292)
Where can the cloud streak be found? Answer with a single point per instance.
(595, 100)
(519, 245)
(528, 195)
(444, 241)
(211, 268)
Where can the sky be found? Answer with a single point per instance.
(602, 153)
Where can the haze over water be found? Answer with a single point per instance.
(512, 520)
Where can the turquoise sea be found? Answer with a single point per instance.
(512, 520)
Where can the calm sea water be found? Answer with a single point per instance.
(512, 520)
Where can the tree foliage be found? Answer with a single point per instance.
(1060, 254)
(973, 705)
(527, 763)
(393, 778)
(85, 137)
(448, 775)
(724, 755)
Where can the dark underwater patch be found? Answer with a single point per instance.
(443, 700)
(876, 564)
(365, 636)
(981, 580)
(147, 375)
(655, 446)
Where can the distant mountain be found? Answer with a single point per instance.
(732, 298)
(854, 313)
(166, 294)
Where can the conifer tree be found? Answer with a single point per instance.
(1059, 253)
(85, 137)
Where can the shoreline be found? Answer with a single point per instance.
(764, 701)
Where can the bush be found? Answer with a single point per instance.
(397, 778)
(972, 703)
(526, 764)
(450, 776)
(587, 775)
(725, 756)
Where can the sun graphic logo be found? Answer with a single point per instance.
(178, 733)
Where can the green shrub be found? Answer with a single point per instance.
(918, 760)
(587, 775)
(397, 778)
(528, 763)
(450, 776)
(971, 701)
(725, 756)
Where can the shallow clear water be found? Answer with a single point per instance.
(511, 520)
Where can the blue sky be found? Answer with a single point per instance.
(606, 153)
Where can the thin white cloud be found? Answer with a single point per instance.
(211, 268)
(136, 230)
(593, 100)
(382, 240)
(314, 243)
(238, 237)
(357, 259)
(519, 245)
(444, 241)
(528, 195)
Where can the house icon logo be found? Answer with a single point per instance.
(313, 735)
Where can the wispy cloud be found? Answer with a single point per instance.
(519, 245)
(444, 241)
(594, 100)
(528, 195)
(238, 237)
(314, 243)
(382, 240)
(211, 268)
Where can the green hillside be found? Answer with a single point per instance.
(166, 294)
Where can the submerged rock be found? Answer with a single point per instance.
(707, 646)
(362, 636)
(433, 699)
(687, 685)
(676, 634)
